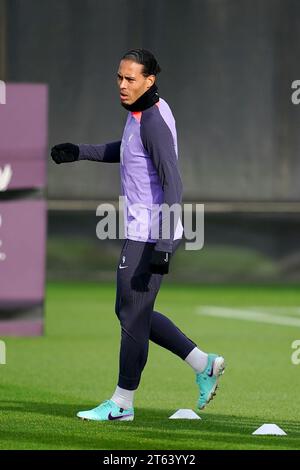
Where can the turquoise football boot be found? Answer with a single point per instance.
(107, 411)
(208, 379)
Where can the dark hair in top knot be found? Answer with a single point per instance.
(146, 58)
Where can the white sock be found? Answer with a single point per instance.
(197, 359)
(123, 398)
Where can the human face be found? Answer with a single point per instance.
(131, 81)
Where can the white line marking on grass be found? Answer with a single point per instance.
(250, 315)
(293, 310)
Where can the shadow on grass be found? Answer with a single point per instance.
(41, 425)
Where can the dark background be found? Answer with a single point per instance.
(227, 69)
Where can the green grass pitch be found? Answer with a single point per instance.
(74, 366)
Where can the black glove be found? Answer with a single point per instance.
(159, 263)
(63, 153)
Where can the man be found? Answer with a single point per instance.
(149, 174)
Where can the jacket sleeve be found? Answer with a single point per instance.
(107, 153)
(159, 144)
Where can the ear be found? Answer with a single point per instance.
(150, 81)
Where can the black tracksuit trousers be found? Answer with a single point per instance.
(137, 289)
